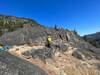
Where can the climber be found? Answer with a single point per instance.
(49, 41)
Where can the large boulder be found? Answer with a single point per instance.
(11, 65)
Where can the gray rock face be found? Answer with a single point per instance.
(11, 65)
(87, 52)
(46, 53)
(23, 36)
(34, 35)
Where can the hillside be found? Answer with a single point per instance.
(69, 54)
(94, 39)
(12, 23)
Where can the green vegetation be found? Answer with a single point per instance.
(10, 23)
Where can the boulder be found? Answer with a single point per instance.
(11, 65)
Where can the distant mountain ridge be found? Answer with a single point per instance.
(94, 39)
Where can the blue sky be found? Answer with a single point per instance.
(83, 15)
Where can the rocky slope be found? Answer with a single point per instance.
(94, 39)
(69, 53)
